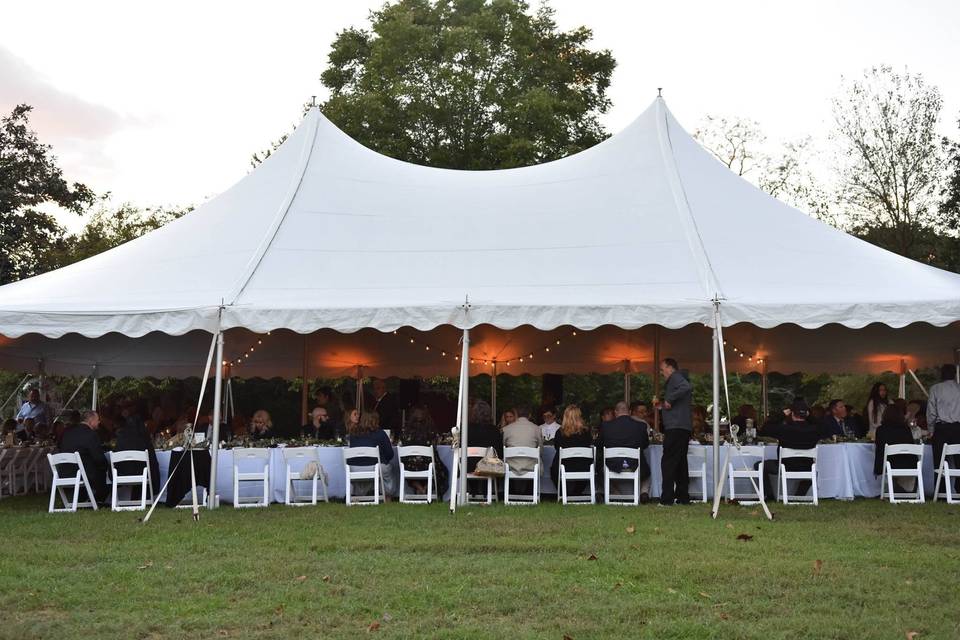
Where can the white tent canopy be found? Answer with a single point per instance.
(645, 228)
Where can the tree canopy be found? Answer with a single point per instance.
(468, 84)
(30, 179)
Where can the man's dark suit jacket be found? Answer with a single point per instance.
(796, 435)
(133, 436)
(389, 412)
(79, 438)
(624, 431)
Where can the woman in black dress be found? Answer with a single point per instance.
(574, 432)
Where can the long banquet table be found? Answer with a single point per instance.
(845, 471)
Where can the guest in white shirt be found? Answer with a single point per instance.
(943, 413)
(32, 409)
(549, 427)
(876, 405)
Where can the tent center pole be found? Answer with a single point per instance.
(626, 381)
(765, 392)
(716, 410)
(656, 375)
(493, 391)
(305, 391)
(464, 413)
(96, 389)
(215, 431)
(903, 380)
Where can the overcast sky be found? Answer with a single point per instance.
(162, 103)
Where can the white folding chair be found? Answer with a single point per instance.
(564, 476)
(526, 453)
(36, 469)
(889, 473)
(746, 456)
(632, 476)
(258, 458)
(697, 469)
(947, 473)
(479, 452)
(141, 479)
(786, 454)
(365, 472)
(17, 471)
(428, 474)
(298, 459)
(76, 482)
(6, 454)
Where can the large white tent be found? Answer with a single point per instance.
(329, 238)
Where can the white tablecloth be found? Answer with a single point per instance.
(845, 471)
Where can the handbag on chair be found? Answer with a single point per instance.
(490, 466)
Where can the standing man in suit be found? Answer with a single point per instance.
(624, 431)
(82, 438)
(386, 407)
(677, 424)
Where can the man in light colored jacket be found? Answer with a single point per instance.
(522, 433)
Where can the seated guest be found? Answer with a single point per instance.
(743, 413)
(876, 405)
(837, 421)
(9, 432)
(366, 432)
(522, 433)
(856, 422)
(26, 434)
(573, 433)
(893, 429)
(624, 431)
(324, 397)
(606, 415)
(133, 436)
(33, 409)
(508, 417)
(82, 438)
(641, 413)
(419, 431)
(817, 413)
(387, 407)
(261, 426)
(482, 432)
(549, 427)
(795, 432)
(319, 427)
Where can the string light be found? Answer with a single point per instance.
(554, 342)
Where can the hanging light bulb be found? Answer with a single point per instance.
(530, 356)
(411, 340)
(443, 353)
(259, 341)
(558, 342)
(427, 347)
(521, 358)
(574, 333)
(546, 348)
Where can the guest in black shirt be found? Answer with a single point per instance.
(82, 438)
(573, 432)
(482, 432)
(367, 433)
(624, 431)
(133, 436)
(795, 432)
(319, 427)
(894, 429)
(420, 432)
(386, 407)
(325, 398)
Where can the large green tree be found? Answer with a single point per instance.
(468, 84)
(30, 178)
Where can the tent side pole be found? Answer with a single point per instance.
(359, 403)
(903, 380)
(656, 375)
(215, 444)
(716, 410)
(626, 381)
(493, 391)
(464, 413)
(765, 391)
(956, 363)
(96, 389)
(305, 391)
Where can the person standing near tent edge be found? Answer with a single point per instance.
(677, 424)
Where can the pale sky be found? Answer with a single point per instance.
(162, 103)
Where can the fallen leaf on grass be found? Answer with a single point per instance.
(817, 566)
(631, 529)
(705, 595)
(326, 578)
(724, 616)
(670, 590)
(909, 581)
(746, 537)
(591, 557)
(566, 637)
(145, 566)
(618, 585)
(300, 578)
(912, 634)
(279, 611)
(729, 526)
(387, 617)
(754, 513)
(373, 627)
(223, 633)
(656, 529)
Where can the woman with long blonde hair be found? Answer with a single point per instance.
(573, 432)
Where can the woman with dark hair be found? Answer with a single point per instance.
(893, 429)
(419, 431)
(876, 405)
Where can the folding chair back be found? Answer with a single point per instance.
(743, 468)
(476, 453)
(298, 460)
(787, 453)
(73, 477)
(697, 469)
(610, 453)
(890, 472)
(522, 453)
(365, 472)
(141, 479)
(256, 459)
(564, 476)
(428, 474)
(946, 472)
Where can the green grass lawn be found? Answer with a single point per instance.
(843, 570)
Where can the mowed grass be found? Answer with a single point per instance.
(843, 570)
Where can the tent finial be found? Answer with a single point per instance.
(313, 101)
(659, 92)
